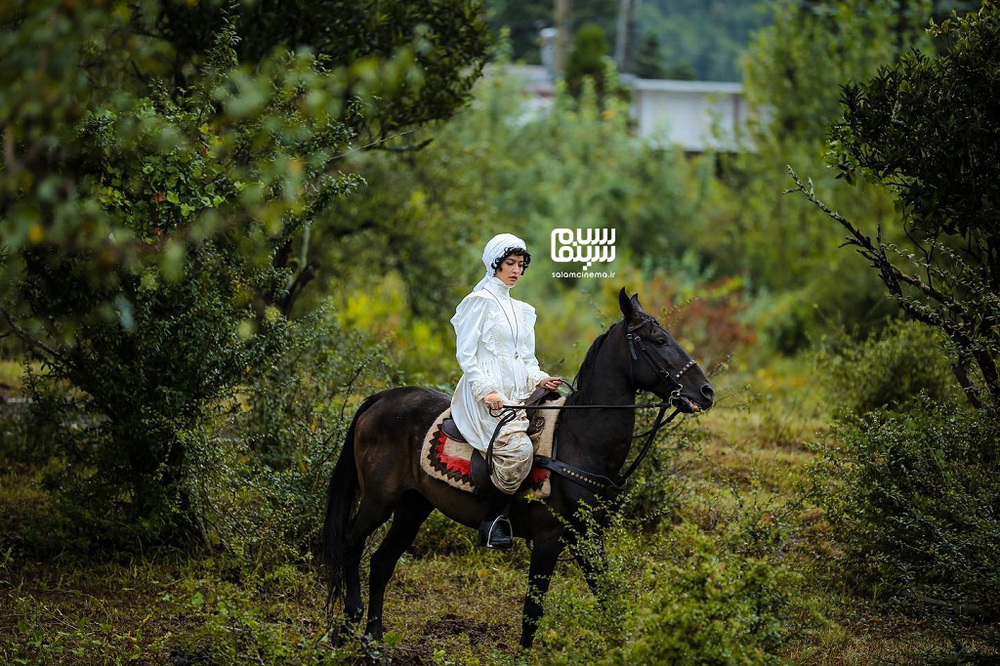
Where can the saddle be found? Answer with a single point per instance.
(535, 420)
(451, 461)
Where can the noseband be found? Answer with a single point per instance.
(672, 382)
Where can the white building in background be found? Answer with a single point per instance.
(696, 116)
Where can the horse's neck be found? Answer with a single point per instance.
(598, 439)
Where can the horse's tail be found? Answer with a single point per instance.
(339, 503)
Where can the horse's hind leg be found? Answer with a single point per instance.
(371, 514)
(411, 512)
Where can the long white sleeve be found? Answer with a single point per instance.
(470, 320)
(535, 374)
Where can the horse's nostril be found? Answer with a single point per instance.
(708, 392)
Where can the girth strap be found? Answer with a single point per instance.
(598, 483)
(593, 482)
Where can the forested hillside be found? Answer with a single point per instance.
(693, 39)
(682, 39)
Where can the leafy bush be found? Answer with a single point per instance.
(888, 369)
(706, 314)
(263, 490)
(718, 608)
(253, 476)
(693, 595)
(914, 497)
(304, 392)
(142, 389)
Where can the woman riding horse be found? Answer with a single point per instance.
(378, 474)
(496, 351)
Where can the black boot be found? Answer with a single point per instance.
(495, 530)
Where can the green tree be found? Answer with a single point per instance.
(795, 66)
(588, 59)
(793, 70)
(926, 129)
(916, 487)
(523, 19)
(498, 165)
(162, 163)
(649, 61)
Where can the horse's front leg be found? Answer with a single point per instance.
(544, 555)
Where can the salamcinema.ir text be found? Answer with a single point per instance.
(578, 274)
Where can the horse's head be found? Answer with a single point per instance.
(659, 364)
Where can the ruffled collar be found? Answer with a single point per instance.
(497, 287)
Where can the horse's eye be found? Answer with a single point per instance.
(660, 341)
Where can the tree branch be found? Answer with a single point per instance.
(25, 337)
(9, 158)
(950, 316)
(874, 251)
(304, 277)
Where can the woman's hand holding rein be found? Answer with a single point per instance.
(550, 383)
(493, 400)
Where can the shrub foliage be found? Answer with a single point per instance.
(162, 164)
(926, 129)
(888, 369)
(915, 506)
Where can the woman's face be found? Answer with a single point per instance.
(510, 269)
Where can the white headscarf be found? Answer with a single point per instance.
(496, 248)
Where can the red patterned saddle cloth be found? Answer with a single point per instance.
(447, 460)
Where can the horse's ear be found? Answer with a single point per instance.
(629, 306)
(635, 303)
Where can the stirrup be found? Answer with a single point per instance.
(496, 533)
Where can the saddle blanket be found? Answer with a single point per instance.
(447, 460)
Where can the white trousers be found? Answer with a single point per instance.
(513, 453)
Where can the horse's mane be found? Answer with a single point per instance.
(585, 379)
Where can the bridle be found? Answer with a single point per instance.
(673, 382)
(598, 483)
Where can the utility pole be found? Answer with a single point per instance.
(564, 10)
(625, 35)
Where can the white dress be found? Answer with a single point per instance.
(496, 351)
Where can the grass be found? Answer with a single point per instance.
(10, 375)
(737, 470)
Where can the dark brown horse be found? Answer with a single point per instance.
(380, 466)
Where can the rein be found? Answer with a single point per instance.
(598, 483)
